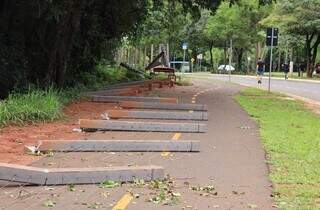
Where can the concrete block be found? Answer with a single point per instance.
(195, 146)
(166, 106)
(118, 146)
(126, 84)
(23, 174)
(97, 175)
(142, 126)
(116, 114)
(114, 92)
(116, 99)
(62, 176)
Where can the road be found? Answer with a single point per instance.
(309, 90)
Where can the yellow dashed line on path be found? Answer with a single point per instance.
(165, 154)
(123, 202)
(176, 136)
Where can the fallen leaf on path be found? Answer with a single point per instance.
(49, 203)
(252, 206)
(105, 194)
(71, 188)
(109, 184)
(245, 127)
(95, 206)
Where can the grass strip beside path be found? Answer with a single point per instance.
(35, 106)
(291, 136)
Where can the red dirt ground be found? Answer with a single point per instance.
(13, 138)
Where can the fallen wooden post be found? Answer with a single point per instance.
(116, 99)
(142, 126)
(117, 146)
(170, 106)
(116, 114)
(63, 176)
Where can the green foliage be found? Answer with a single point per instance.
(290, 134)
(184, 81)
(239, 23)
(164, 192)
(60, 41)
(36, 105)
(299, 20)
(49, 203)
(113, 75)
(194, 33)
(109, 184)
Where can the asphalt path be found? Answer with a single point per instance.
(306, 89)
(231, 160)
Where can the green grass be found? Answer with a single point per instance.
(184, 82)
(111, 75)
(36, 105)
(294, 75)
(291, 136)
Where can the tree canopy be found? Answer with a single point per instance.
(299, 19)
(59, 42)
(52, 42)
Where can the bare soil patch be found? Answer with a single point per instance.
(13, 138)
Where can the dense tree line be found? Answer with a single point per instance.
(51, 42)
(209, 32)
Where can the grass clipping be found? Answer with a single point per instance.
(291, 136)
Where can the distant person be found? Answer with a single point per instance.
(318, 68)
(285, 69)
(260, 70)
(302, 68)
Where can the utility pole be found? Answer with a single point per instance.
(168, 54)
(270, 67)
(184, 47)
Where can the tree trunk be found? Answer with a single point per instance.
(211, 56)
(258, 51)
(60, 51)
(144, 57)
(225, 54)
(311, 52)
(239, 52)
(279, 60)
